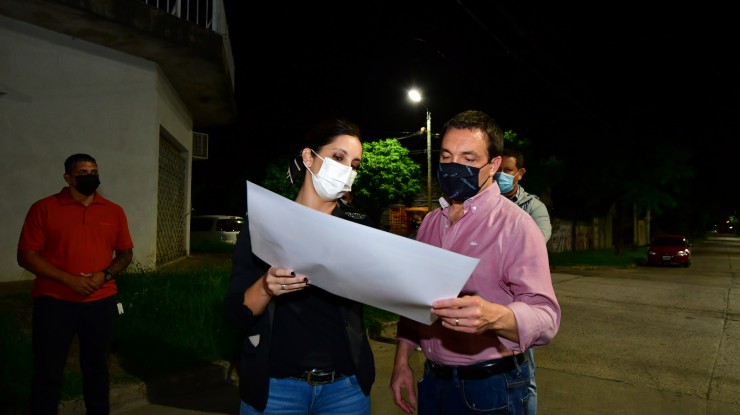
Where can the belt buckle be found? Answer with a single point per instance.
(440, 371)
(316, 372)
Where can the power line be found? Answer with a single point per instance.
(416, 134)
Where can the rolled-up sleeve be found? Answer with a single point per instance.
(525, 269)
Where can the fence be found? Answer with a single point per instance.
(568, 235)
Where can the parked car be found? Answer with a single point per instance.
(669, 250)
(216, 228)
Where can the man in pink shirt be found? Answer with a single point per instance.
(474, 351)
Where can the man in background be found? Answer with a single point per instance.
(68, 242)
(509, 175)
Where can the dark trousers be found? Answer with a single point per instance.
(506, 393)
(55, 324)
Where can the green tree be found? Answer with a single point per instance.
(512, 139)
(276, 178)
(387, 175)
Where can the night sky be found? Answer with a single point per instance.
(583, 81)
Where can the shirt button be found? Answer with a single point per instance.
(474, 208)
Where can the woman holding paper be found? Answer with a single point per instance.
(305, 350)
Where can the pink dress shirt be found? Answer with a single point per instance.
(514, 270)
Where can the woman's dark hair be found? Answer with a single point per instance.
(321, 134)
(479, 120)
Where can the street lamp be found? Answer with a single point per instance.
(415, 96)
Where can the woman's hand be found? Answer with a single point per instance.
(279, 281)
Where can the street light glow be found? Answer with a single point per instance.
(415, 95)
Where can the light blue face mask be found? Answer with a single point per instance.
(505, 181)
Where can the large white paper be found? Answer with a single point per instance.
(355, 261)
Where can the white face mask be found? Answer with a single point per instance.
(333, 179)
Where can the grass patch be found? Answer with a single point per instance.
(375, 318)
(603, 257)
(215, 247)
(173, 320)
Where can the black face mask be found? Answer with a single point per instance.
(458, 181)
(87, 183)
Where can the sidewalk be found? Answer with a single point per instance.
(214, 390)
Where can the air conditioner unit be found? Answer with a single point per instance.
(200, 146)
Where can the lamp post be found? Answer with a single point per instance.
(415, 96)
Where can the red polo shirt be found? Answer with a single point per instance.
(75, 238)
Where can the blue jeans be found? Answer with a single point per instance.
(296, 397)
(55, 323)
(506, 393)
(532, 403)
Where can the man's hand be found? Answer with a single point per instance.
(402, 379)
(84, 284)
(474, 314)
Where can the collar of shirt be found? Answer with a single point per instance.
(518, 194)
(65, 197)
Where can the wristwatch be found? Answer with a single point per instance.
(108, 275)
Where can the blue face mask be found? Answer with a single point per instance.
(458, 181)
(505, 181)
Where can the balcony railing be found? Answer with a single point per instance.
(206, 13)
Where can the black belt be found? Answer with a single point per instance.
(319, 376)
(480, 370)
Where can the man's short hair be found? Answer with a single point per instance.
(509, 152)
(472, 120)
(72, 161)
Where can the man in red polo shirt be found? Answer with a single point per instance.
(68, 242)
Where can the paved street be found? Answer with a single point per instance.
(647, 340)
(632, 341)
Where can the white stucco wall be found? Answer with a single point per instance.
(65, 96)
(177, 121)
